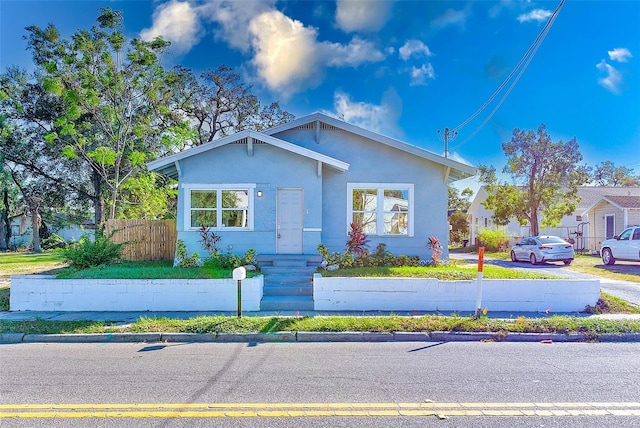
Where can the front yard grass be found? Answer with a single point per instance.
(388, 323)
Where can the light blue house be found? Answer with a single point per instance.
(291, 187)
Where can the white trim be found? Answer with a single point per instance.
(312, 229)
(380, 187)
(188, 187)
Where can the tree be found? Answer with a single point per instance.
(215, 104)
(459, 226)
(110, 95)
(607, 174)
(545, 180)
(459, 200)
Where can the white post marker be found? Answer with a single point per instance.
(239, 274)
(479, 283)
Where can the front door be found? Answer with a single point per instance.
(290, 221)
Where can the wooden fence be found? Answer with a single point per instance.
(145, 239)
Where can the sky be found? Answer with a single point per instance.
(403, 68)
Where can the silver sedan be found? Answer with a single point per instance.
(540, 249)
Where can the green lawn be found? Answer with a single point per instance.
(12, 263)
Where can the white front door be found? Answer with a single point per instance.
(290, 221)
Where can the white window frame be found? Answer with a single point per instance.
(380, 188)
(189, 187)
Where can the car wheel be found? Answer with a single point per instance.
(513, 256)
(532, 259)
(607, 257)
(567, 262)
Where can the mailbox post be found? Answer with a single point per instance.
(239, 274)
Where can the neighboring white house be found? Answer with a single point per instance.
(22, 232)
(585, 227)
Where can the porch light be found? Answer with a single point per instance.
(259, 193)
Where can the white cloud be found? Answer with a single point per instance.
(177, 22)
(452, 17)
(613, 79)
(413, 47)
(234, 18)
(284, 52)
(539, 15)
(497, 8)
(377, 118)
(620, 54)
(419, 75)
(359, 15)
(357, 52)
(289, 57)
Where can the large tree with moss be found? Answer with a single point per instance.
(545, 177)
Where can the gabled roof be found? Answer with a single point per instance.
(168, 164)
(456, 170)
(620, 202)
(590, 195)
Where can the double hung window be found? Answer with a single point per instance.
(219, 207)
(382, 209)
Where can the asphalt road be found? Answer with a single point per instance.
(320, 384)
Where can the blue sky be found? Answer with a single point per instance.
(403, 68)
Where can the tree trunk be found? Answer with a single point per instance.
(35, 225)
(535, 228)
(3, 235)
(6, 225)
(98, 201)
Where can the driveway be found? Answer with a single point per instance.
(626, 290)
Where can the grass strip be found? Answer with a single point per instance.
(391, 323)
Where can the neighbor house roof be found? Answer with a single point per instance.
(620, 202)
(168, 165)
(593, 194)
(456, 170)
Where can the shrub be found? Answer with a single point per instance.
(209, 239)
(436, 250)
(494, 239)
(357, 242)
(52, 242)
(230, 261)
(183, 259)
(87, 253)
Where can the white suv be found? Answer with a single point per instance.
(625, 246)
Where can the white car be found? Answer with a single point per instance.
(625, 246)
(540, 249)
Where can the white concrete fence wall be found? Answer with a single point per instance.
(411, 294)
(48, 293)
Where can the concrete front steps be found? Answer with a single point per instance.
(288, 281)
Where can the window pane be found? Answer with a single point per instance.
(396, 224)
(206, 217)
(235, 199)
(368, 221)
(396, 200)
(365, 199)
(235, 218)
(203, 199)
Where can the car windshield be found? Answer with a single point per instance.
(552, 240)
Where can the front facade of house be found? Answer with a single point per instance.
(292, 187)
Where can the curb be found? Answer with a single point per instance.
(309, 337)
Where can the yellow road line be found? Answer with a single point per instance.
(298, 410)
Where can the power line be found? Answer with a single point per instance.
(519, 69)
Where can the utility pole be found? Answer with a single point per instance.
(446, 136)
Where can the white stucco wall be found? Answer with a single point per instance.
(411, 294)
(48, 293)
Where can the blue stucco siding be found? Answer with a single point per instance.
(268, 169)
(373, 162)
